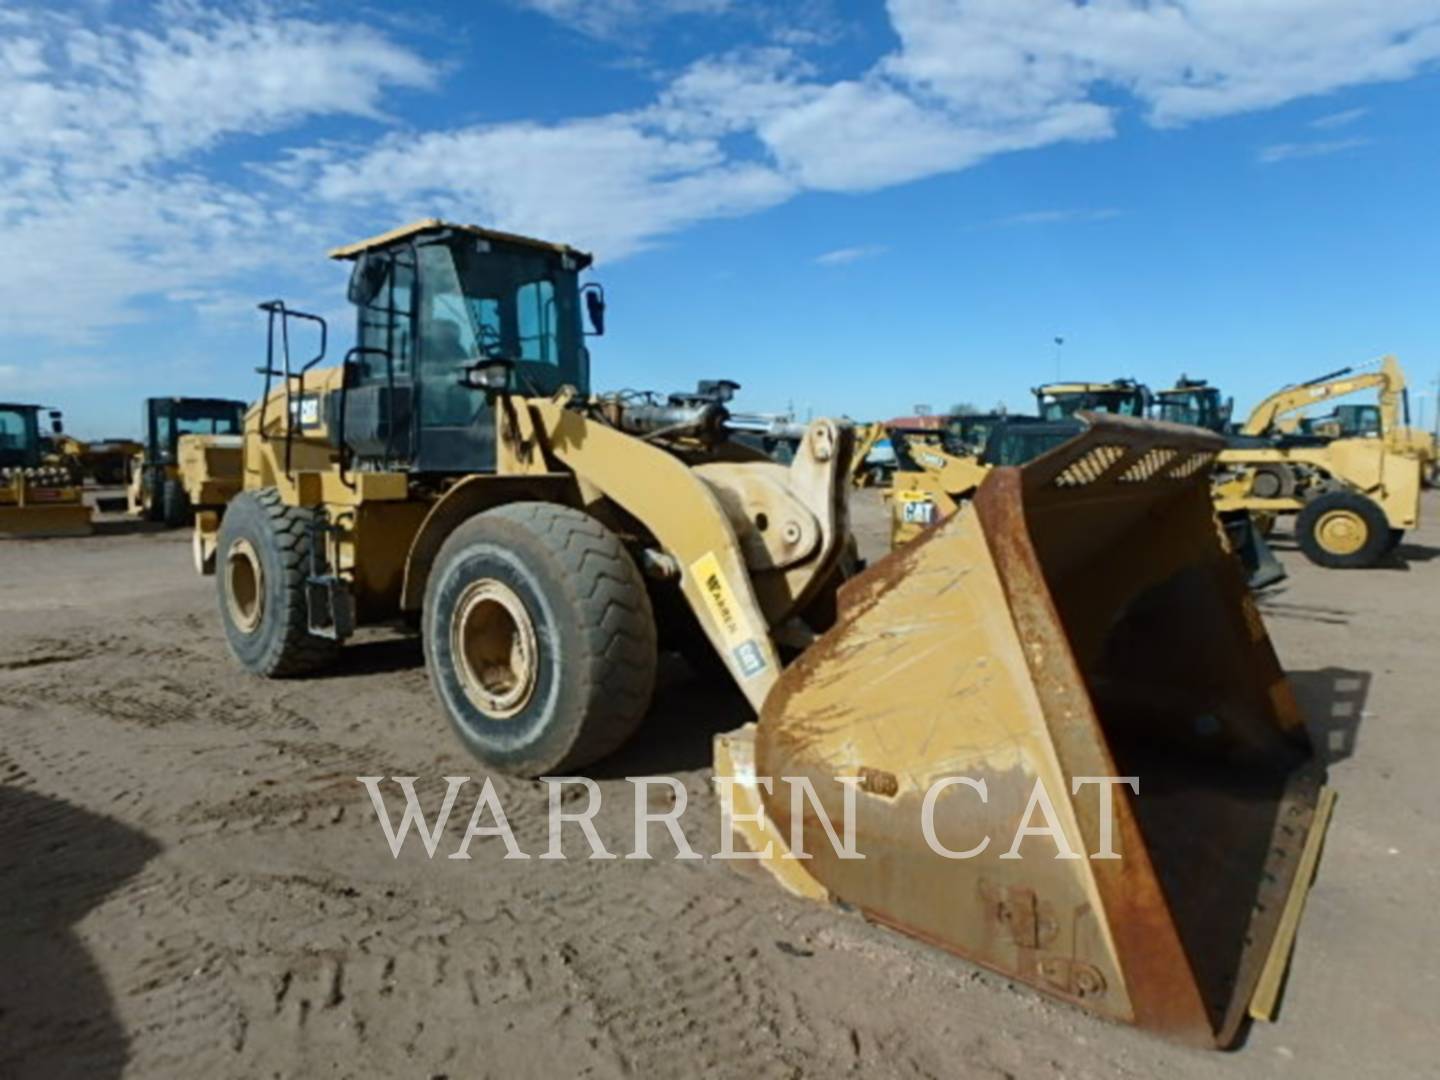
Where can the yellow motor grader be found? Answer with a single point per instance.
(1078, 618)
(40, 493)
(1353, 498)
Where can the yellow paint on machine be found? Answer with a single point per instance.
(741, 639)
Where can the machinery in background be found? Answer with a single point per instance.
(1121, 397)
(190, 459)
(1353, 489)
(40, 492)
(1194, 402)
(105, 462)
(1078, 617)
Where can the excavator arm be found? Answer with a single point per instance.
(1279, 411)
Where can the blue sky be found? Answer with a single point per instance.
(848, 207)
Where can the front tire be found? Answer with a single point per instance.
(539, 638)
(262, 559)
(1342, 530)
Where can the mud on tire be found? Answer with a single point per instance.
(261, 562)
(539, 638)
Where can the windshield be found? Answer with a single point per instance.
(516, 303)
(1197, 409)
(1059, 406)
(19, 440)
(227, 424)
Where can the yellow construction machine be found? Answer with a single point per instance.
(1353, 497)
(1078, 618)
(1120, 397)
(40, 493)
(190, 461)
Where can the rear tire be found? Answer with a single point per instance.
(152, 501)
(539, 638)
(175, 504)
(1342, 530)
(262, 559)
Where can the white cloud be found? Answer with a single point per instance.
(606, 18)
(109, 192)
(846, 255)
(1343, 118)
(100, 198)
(607, 184)
(1271, 155)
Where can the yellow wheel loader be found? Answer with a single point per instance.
(40, 493)
(1078, 618)
(190, 461)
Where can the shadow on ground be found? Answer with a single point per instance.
(1400, 559)
(380, 656)
(128, 527)
(689, 711)
(57, 862)
(1332, 700)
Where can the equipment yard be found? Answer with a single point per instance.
(194, 883)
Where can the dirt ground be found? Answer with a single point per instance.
(193, 882)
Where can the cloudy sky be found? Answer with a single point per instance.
(846, 206)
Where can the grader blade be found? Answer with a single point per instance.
(1080, 619)
(39, 520)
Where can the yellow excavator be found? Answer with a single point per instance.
(1078, 618)
(40, 491)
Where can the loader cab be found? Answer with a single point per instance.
(20, 446)
(167, 418)
(1059, 401)
(1194, 402)
(435, 303)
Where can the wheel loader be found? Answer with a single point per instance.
(190, 460)
(40, 493)
(1079, 617)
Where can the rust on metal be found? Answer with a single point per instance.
(1080, 618)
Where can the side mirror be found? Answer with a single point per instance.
(367, 278)
(595, 307)
(491, 374)
(57, 425)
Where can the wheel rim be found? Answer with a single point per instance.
(244, 586)
(1341, 532)
(492, 639)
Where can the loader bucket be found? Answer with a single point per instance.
(1080, 618)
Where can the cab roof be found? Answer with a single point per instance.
(430, 225)
(1085, 387)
